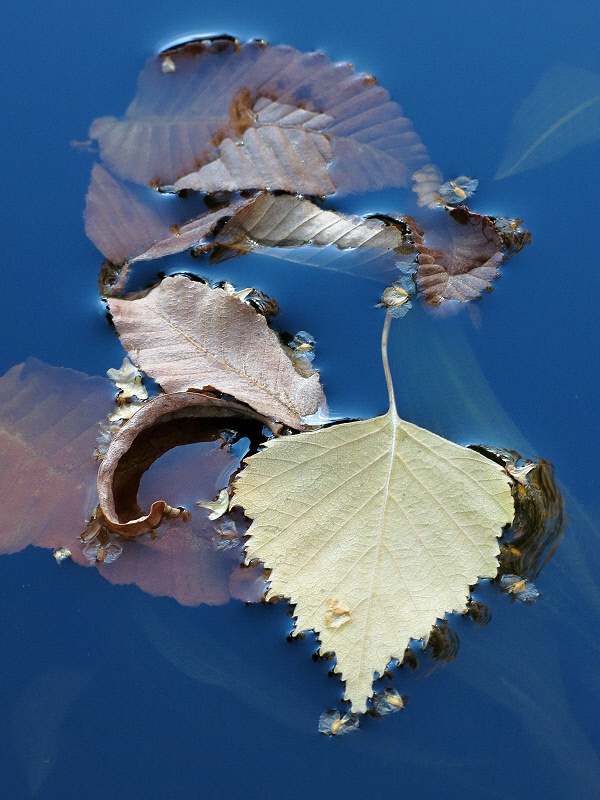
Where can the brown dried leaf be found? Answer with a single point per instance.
(143, 439)
(216, 95)
(186, 335)
(287, 221)
(124, 227)
(291, 159)
(459, 255)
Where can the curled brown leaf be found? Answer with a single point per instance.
(144, 438)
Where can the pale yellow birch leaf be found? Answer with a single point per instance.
(373, 530)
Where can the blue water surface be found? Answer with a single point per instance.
(108, 692)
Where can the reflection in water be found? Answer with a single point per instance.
(199, 655)
(562, 112)
(38, 714)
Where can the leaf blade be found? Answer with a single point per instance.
(344, 547)
(188, 336)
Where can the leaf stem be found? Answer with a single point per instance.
(386, 363)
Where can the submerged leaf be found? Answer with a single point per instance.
(48, 425)
(186, 335)
(562, 112)
(426, 185)
(378, 525)
(125, 226)
(230, 113)
(285, 222)
(459, 255)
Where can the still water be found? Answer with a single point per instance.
(109, 692)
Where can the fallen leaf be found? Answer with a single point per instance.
(378, 523)
(128, 226)
(562, 112)
(49, 420)
(284, 149)
(48, 426)
(136, 445)
(284, 222)
(186, 335)
(221, 107)
(459, 255)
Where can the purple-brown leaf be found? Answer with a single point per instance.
(459, 255)
(287, 222)
(48, 427)
(125, 227)
(216, 96)
(186, 335)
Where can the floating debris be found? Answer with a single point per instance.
(100, 546)
(520, 588)
(332, 723)
(128, 379)
(387, 702)
(167, 65)
(396, 300)
(454, 193)
(228, 536)
(217, 507)
(513, 236)
(61, 554)
(337, 613)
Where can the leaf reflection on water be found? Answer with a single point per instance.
(562, 112)
(38, 714)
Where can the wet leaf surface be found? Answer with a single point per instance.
(373, 530)
(220, 106)
(459, 255)
(186, 335)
